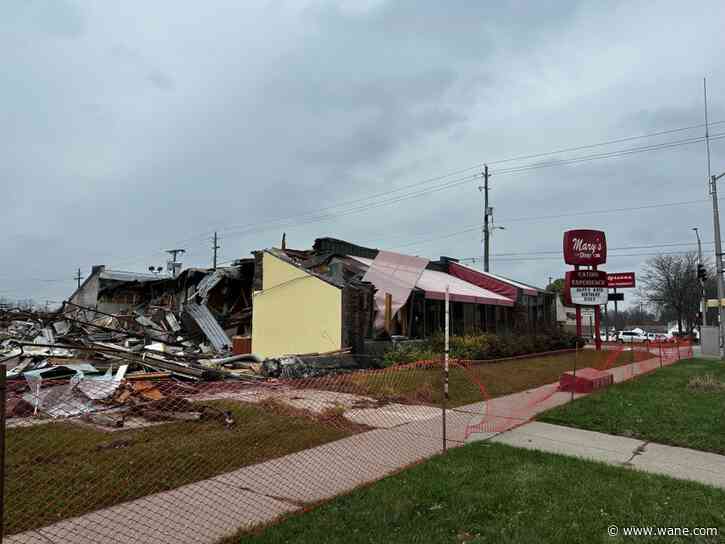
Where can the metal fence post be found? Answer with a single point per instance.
(576, 355)
(3, 408)
(445, 372)
(660, 345)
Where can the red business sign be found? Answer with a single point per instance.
(585, 287)
(585, 247)
(620, 279)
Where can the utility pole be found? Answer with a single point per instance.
(486, 233)
(215, 247)
(718, 255)
(174, 253)
(712, 179)
(78, 278)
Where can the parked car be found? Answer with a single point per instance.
(628, 337)
(673, 335)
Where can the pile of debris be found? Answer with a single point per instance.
(109, 399)
(106, 367)
(152, 340)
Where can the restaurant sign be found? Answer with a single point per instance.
(586, 287)
(620, 279)
(584, 247)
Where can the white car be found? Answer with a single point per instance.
(673, 334)
(628, 337)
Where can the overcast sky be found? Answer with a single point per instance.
(133, 127)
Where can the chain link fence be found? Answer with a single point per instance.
(122, 458)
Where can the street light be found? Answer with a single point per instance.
(493, 228)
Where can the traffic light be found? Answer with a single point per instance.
(701, 272)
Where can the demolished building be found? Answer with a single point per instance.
(205, 300)
(337, 295)
(282, 314)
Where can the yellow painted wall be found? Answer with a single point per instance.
(295, 312)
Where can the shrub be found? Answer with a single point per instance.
(483, 346)
(409, 354)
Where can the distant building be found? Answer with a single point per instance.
(566, 318)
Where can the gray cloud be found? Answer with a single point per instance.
(58, 18)
(139, 126)
(161, 81)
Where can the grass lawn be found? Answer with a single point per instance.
(59, 470)
(423, 385)
(495, 493)
(659, 407)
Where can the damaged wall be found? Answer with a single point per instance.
(357, 312)
(87, 294)
(295, 312)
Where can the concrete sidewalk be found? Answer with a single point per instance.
(682, 463)
(206, 511)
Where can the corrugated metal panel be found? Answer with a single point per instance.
(208, 283)
(434, 284)
(209, 325)
(395, 274)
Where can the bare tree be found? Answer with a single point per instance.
(669, 282)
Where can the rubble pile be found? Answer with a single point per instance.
(108, 367)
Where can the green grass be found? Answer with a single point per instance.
(659, 407)
(59, 470)
(423, 385)
(495, 493)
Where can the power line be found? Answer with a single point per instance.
(558, 251)
(540, 258)
(477, 226)
(611, 154)
(468, 179)
(600, 144)
(316, 216)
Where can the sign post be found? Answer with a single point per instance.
(598, 326)
(616, 310)
(578, 312)
(445, 369)
(586, 287)
(622, 280)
